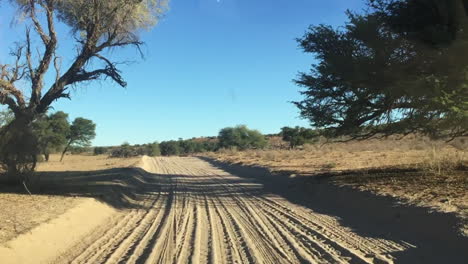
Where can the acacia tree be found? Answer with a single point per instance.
(82, 131)
(96, 27)
(399, 68)
(241, 137)
(170, 148)
(298, 136)
(52, 131)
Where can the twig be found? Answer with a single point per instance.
(26, 187)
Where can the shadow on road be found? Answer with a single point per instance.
(434, 235)
(125, 188)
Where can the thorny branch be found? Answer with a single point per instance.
(94, 38)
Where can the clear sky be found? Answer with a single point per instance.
(208, 64)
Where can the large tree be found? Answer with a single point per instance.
(399, 68)
(96, 27)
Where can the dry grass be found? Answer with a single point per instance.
(22, 212)
(416, 170)
(85, 163)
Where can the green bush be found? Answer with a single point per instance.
(298, 136)
(153, 149)
(79, 150)
(241, 137)
(170, 148)
(100, 150)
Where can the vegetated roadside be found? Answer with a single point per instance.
(22, 212)
(414, 170)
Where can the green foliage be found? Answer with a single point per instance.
(100, 150)
(79, 150)
(430, 22)
(82, 131)
(385, 73)
(241, 137)
(97, 28)
(125, 16)
(153, 149)
(208, 146)
(126, 150)
(170, 148)
(298, 136)
(187, 147)
(6, 116)
(18, 151)
(51, 132)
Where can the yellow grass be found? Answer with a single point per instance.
(419, 171)
(22, 212)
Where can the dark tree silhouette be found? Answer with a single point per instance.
(399, 68)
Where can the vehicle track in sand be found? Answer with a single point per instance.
(192, 212)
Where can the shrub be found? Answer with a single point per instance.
(124, 151)
(298, 136)
(100, 150)
(170, 148)
(153, 150)
(241, 137)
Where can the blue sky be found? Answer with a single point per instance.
(208, 64)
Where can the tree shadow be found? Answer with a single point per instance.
(434, 236)
(127, 188)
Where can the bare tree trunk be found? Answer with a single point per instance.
(65, 150)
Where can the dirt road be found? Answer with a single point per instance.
(192, 212)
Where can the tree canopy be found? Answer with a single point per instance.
(241, 137)
(52, 131)
(298, 136)
(391, 70)
(82, 131)
(96, 26)
(170, 148)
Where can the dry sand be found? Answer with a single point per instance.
(190, 210)
(21, 212)
(429, 174)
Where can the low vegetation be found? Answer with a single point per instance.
(239, 137)
(126, 150)
(416, 169)
(298, 136)
(49, 133)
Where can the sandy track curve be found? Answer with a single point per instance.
(191, 212)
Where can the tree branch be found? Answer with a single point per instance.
(50, 47)
(37, 25)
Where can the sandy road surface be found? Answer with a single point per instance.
(191, 212)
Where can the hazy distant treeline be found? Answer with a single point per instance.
(239, 137)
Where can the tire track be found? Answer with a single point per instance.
(195, 213)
